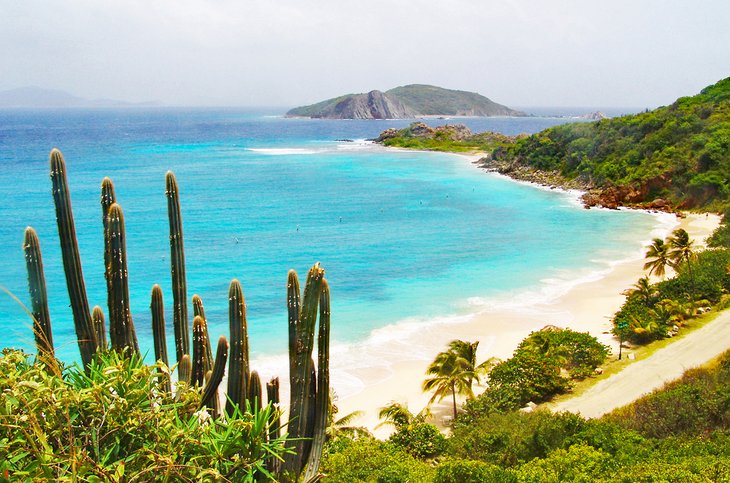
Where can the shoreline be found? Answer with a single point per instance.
(586, 306)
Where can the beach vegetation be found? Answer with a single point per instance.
(720, 238)
(454, 371)
(115, 422)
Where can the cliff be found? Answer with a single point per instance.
(405, 102)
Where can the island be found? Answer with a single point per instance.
(405, 102)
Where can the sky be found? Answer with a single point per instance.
(612, 53)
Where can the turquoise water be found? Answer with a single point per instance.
(402, 235)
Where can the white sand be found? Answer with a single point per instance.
(395, 369)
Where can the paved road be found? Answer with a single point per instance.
(645, 375)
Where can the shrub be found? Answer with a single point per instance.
(469, 471)
(115, 420)
(422, 440)
(579, 463)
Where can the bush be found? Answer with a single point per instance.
(371, 460)
(469, 471)
(422, 440)
(579, 463)
(577, 352)
(116, 420)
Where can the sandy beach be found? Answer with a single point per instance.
(378, 372)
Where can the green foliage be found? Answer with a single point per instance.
(370, 460)
(114, 420)
(471, 471)
(680, 152)
(579, 463)
(422, 440)
(577, 352)
(720, 238)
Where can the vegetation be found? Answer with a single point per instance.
(680, 153)
(310, 396)
(449, 138)
(654, 311)
(454, 371)
(115, 421)
(678, 434)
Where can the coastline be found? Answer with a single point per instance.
(380, 371)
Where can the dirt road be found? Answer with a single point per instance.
(651, 373)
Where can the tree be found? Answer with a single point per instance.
(454, 371)
(681, 251)
(398, 415)
(658, 258)
(644, 290)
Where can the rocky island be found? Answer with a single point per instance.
(405, 102)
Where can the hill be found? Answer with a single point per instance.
(403, 103)
(678, 154)
(37, 97)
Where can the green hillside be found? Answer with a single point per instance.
(436, 101)
(679, 152)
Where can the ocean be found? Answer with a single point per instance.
(406, 238)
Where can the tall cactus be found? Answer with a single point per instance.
(97, 316)
(38, 295)
(177, 268)
(158, 333)
(322, 403)
(121, 326)
(108, 198)
(71, 258)
(200, 363)
(302, 321)
(238, 364)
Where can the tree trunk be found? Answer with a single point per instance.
(453, 395)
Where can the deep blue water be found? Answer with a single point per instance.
(401, 234)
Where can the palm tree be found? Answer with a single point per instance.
(398, 415)
(644, 290)
(658, 255)
(454, 371)
(681, 251)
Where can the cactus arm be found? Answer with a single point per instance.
(198, 310)
(273, 464)
(121, 326)
(323, 386)
(71, 258)
(254, 391)
(157, 308)
(97, 316)
(210, 391)
(177, 267)
(38, 294)
(184, 368)
(199, 363)
(238, 368)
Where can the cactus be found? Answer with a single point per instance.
(254, 391)
(302, 321)
(177, 268)
(322, 403)
(71, 259)
(272, 394)
(238, 368)
(198, 310)
(184, 370)
(38, 295)
(158, 334)
(108, 198)
(97, 316)
(210, 391)
(121, 326)
(200, 363)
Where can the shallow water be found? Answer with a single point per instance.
(403, 236)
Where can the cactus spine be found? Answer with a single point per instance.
(302, 321)
(97, 316)
(121, 326)
(177, 268)
(71, 259)
(238, 368)
(158, 333)
(38, 295)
